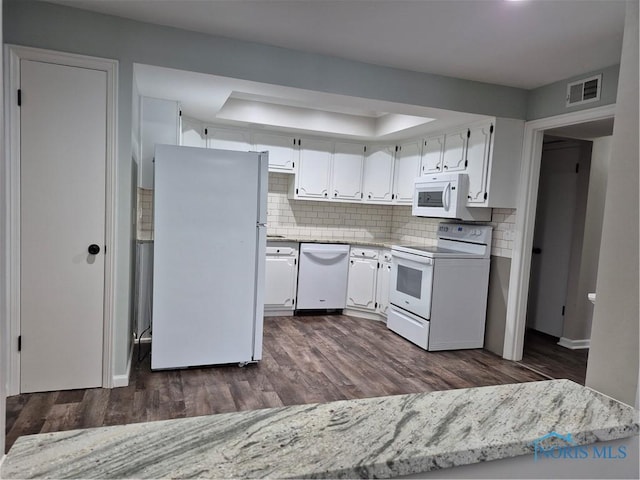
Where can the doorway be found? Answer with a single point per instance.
(564, 257)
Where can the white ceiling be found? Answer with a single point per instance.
(523, 44)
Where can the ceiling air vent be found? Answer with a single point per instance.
(584, 91)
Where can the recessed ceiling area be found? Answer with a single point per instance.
(222, 100)
(523, 44)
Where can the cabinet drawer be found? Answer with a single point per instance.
(282, 250)
(414, 329)
(361, 252)
(385, 256)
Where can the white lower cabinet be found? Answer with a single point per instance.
(363, 272)
(281, 276)
(382, 289)
(368, 286)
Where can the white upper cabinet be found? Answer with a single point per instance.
(192, 133)
(432, 152)
(493, 163)
(283, 150)
(407, 168)
(312, 178)
(455, 151)
(228, 139)
(477, 162)
(346, 172)
(377, 182)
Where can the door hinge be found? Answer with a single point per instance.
(365, 148)
(491, 128)
(293, 301)
(485, 195)
(362, 195)
(577, 167)
(466, 162)
(19, 343)
(206, 131)
(299, 142)
(378, 265)
(180, 113)
(105, 249)
(295, 261)
(293, 164)
(468, 133)
(396, 148)
(296, 191)
(376, 305)
(19, 97)
(563, 310)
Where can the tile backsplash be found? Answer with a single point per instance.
(328, 220)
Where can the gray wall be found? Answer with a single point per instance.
(550, 100)
(497, 304)
(613, 357)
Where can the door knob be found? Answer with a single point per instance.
(93, 249)
(537, 250)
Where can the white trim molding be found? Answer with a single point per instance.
(574, 344)
(525, 220)
(123, 380)
(11, 167)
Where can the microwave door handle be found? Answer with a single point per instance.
(446, 198)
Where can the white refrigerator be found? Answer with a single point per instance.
(209, 253)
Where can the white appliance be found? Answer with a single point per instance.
(209, 254)
(322, 276)
(438, 295)
(444, 195)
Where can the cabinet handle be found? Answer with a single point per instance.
(335, 194)
(369, 195)
(446, 167)
(351, 262)
(437, 168)
(325, 194)
(392, 196)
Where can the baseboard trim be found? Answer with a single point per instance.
(368, 315)
(123, 380)
(278, 313)
(574, 344)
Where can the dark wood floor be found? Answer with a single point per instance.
(542, 353)
(306, 360)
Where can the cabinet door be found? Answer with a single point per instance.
(455, 151)
(361, 289)
(192, 134)
(283, 151)
(384, 274)
(478, 153)
(227, 139)
(432, 151)
(377, 182)
(407, 168)
(346, 171)
(312, 179)
(280, 281)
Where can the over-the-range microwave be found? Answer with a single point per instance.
(444, 195)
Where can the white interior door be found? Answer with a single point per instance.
(62, 182)
(552, 240)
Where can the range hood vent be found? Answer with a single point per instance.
(586, 90)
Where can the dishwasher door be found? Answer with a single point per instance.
(322, 276)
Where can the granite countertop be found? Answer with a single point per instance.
(374, 437)
(363, 242)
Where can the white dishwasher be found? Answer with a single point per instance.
(322, 276)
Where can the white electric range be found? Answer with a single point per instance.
(438, 295)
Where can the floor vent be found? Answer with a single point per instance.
(584, 91)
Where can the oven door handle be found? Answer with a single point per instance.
(412, 258)
(446, 197)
